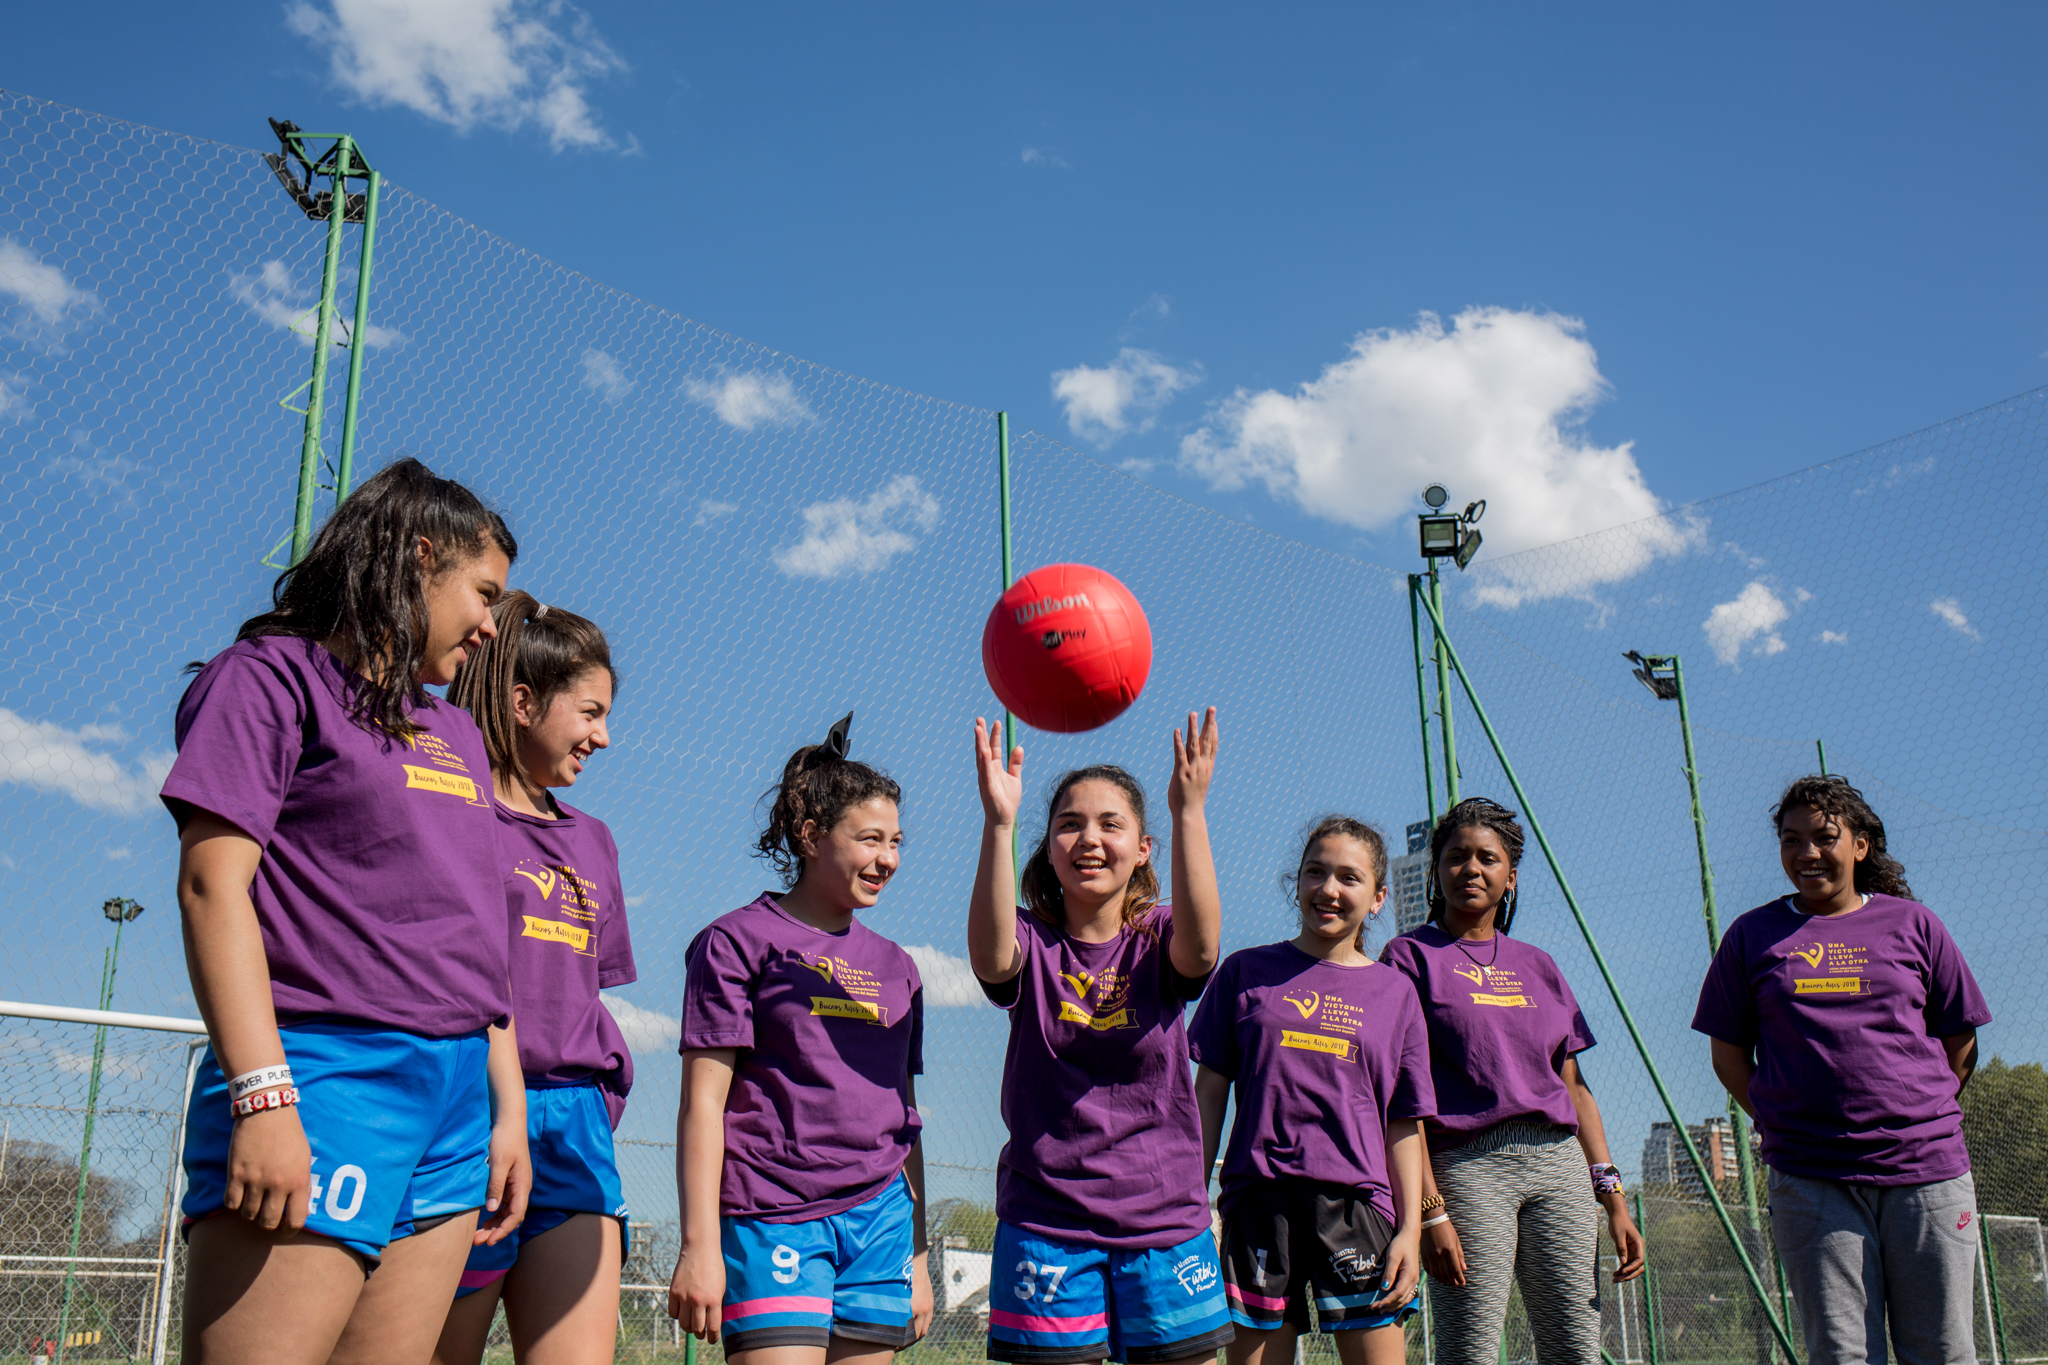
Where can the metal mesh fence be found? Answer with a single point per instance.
(770, 543)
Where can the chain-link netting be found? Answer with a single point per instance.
(770, 544)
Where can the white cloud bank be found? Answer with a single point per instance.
(1749, 623)
(504, 64)
(948, 981)
(1489, 407)
(276, 296)
(644, 1030)
(52, 758)
(45, 306)
(1950, 609)
(1122, 396)
(862, 537)
(604, 376)
(745, 401)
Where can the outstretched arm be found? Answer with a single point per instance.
(992, 912)
(1197, 905)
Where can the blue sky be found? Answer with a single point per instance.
(1199, 248)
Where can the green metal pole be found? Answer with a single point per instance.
(1991, 1282)
(1422, 695)
(1822, 750)
(309, 447)
(344, 471)
(1649, 1285)
(1443, 692)
(92, 1099)
(1628, 1018)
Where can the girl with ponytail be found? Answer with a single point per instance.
(798, 1169)
(541, 692)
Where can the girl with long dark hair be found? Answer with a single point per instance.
(1519, 1169)
(1844, 1020)
(359, 1101)
(1102, 1246)
(541, 692)
(1327, 1055)
(798, 1166)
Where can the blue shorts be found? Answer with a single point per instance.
(400, 1128)
(569, 1134)
(801, 1284)
(1054, 1302)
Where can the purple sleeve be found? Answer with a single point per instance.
(1212, 1034)
(240, 731)
(1414, 1094)
(1727, 1006)
(615, 965)
(1579, 1036)
(1954, 1004)
(1399, 954)
(718, 997)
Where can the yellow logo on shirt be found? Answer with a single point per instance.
(838, 1007)
(1827, 985)
(1810, 955)
(543, 879)
(426, 779)
(1315, 1042)
(554, 931)
(1080, 981)
(1475, 975)
(1307, 1007)
(1505, 1001)
(1072, 1013)
(823, 967)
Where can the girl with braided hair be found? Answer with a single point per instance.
(799, 1173)
(1518, 1170)
(1844, 1020)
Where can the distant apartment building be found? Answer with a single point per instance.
(1666, 1164)
(1408, 880)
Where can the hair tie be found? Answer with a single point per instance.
(541, 611)
(838, 739)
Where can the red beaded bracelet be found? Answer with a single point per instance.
(269, 1099)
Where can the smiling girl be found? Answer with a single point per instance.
(1844, 1020)
(1329, 1060)
(541, 692)
(1102, 1246)
(798, 1165)
(344, 930)
(1518, 1168)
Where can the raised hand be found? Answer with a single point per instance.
(1002, 784)
(1194, 763)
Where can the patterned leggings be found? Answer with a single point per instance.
(1525, 1213)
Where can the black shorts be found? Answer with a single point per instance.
(1286, 1241)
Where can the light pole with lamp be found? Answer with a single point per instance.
(120, 910)
(1452, 536)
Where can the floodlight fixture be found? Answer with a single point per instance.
(1449, 535)
(1468, 545)
(1439, 537)
(1663, 685)
(120, 909)
(298, 183)
(1436, 495)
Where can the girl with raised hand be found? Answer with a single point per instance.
(798, 1165)
(1844, 1020)
(345, 934)
(541, 692)
(1328, 1058)
(1518, 1170)
(1103, 1247)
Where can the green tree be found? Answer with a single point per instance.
(2005, 1121)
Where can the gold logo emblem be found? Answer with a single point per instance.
(823, 967)
(1809, 955)
(1307, 1007)
(543, 879)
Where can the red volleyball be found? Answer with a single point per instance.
(1067, 648)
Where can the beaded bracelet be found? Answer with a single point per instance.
(268, 1099)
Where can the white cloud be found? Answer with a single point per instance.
(1950, 610)
(14, 404)
(747, 401)
(112, 477)
(55, 759)
(46, 307)
(1834, 637)
(1748, 623)
(1043, 156)
(275, 295)
(1489, 408)
(644, 1030)
(862, 536)
(605, 377)
(1122, 396)
(948, 981)
(708, 512)
(505, 64)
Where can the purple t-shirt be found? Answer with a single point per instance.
(568, 932)
(1847, 1014)
(379, 889)
(1105, 1141)
(830, 1029)
(1502, 1021)
(1320, 1056)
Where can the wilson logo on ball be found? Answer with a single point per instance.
(1067, 648)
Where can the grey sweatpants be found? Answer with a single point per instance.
(1859, 1256)
(1523, 1206)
